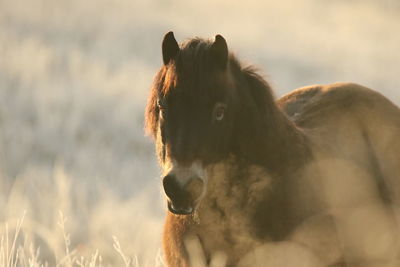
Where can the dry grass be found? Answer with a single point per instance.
(17, 249)
(27, 242)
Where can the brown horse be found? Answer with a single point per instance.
(311, 179)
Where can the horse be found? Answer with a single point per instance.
(309, 179)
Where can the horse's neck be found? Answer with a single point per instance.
(264, 134)
(285, 148)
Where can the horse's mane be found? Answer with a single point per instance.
(263, 129)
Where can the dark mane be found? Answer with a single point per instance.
(274, 136)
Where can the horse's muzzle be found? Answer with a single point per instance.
(182, 199)
(181, 210)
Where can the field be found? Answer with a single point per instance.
(78, 177)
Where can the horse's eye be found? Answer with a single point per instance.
(219, 112)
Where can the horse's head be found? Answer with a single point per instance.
(193, 113)
(189, 114)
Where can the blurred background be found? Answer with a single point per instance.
(74, 77)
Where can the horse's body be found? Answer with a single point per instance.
(312, 179)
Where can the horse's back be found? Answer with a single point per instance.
(313, 105)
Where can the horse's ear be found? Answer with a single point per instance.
(170, 47)
(219, 51)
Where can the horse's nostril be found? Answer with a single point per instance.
(171, 186)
